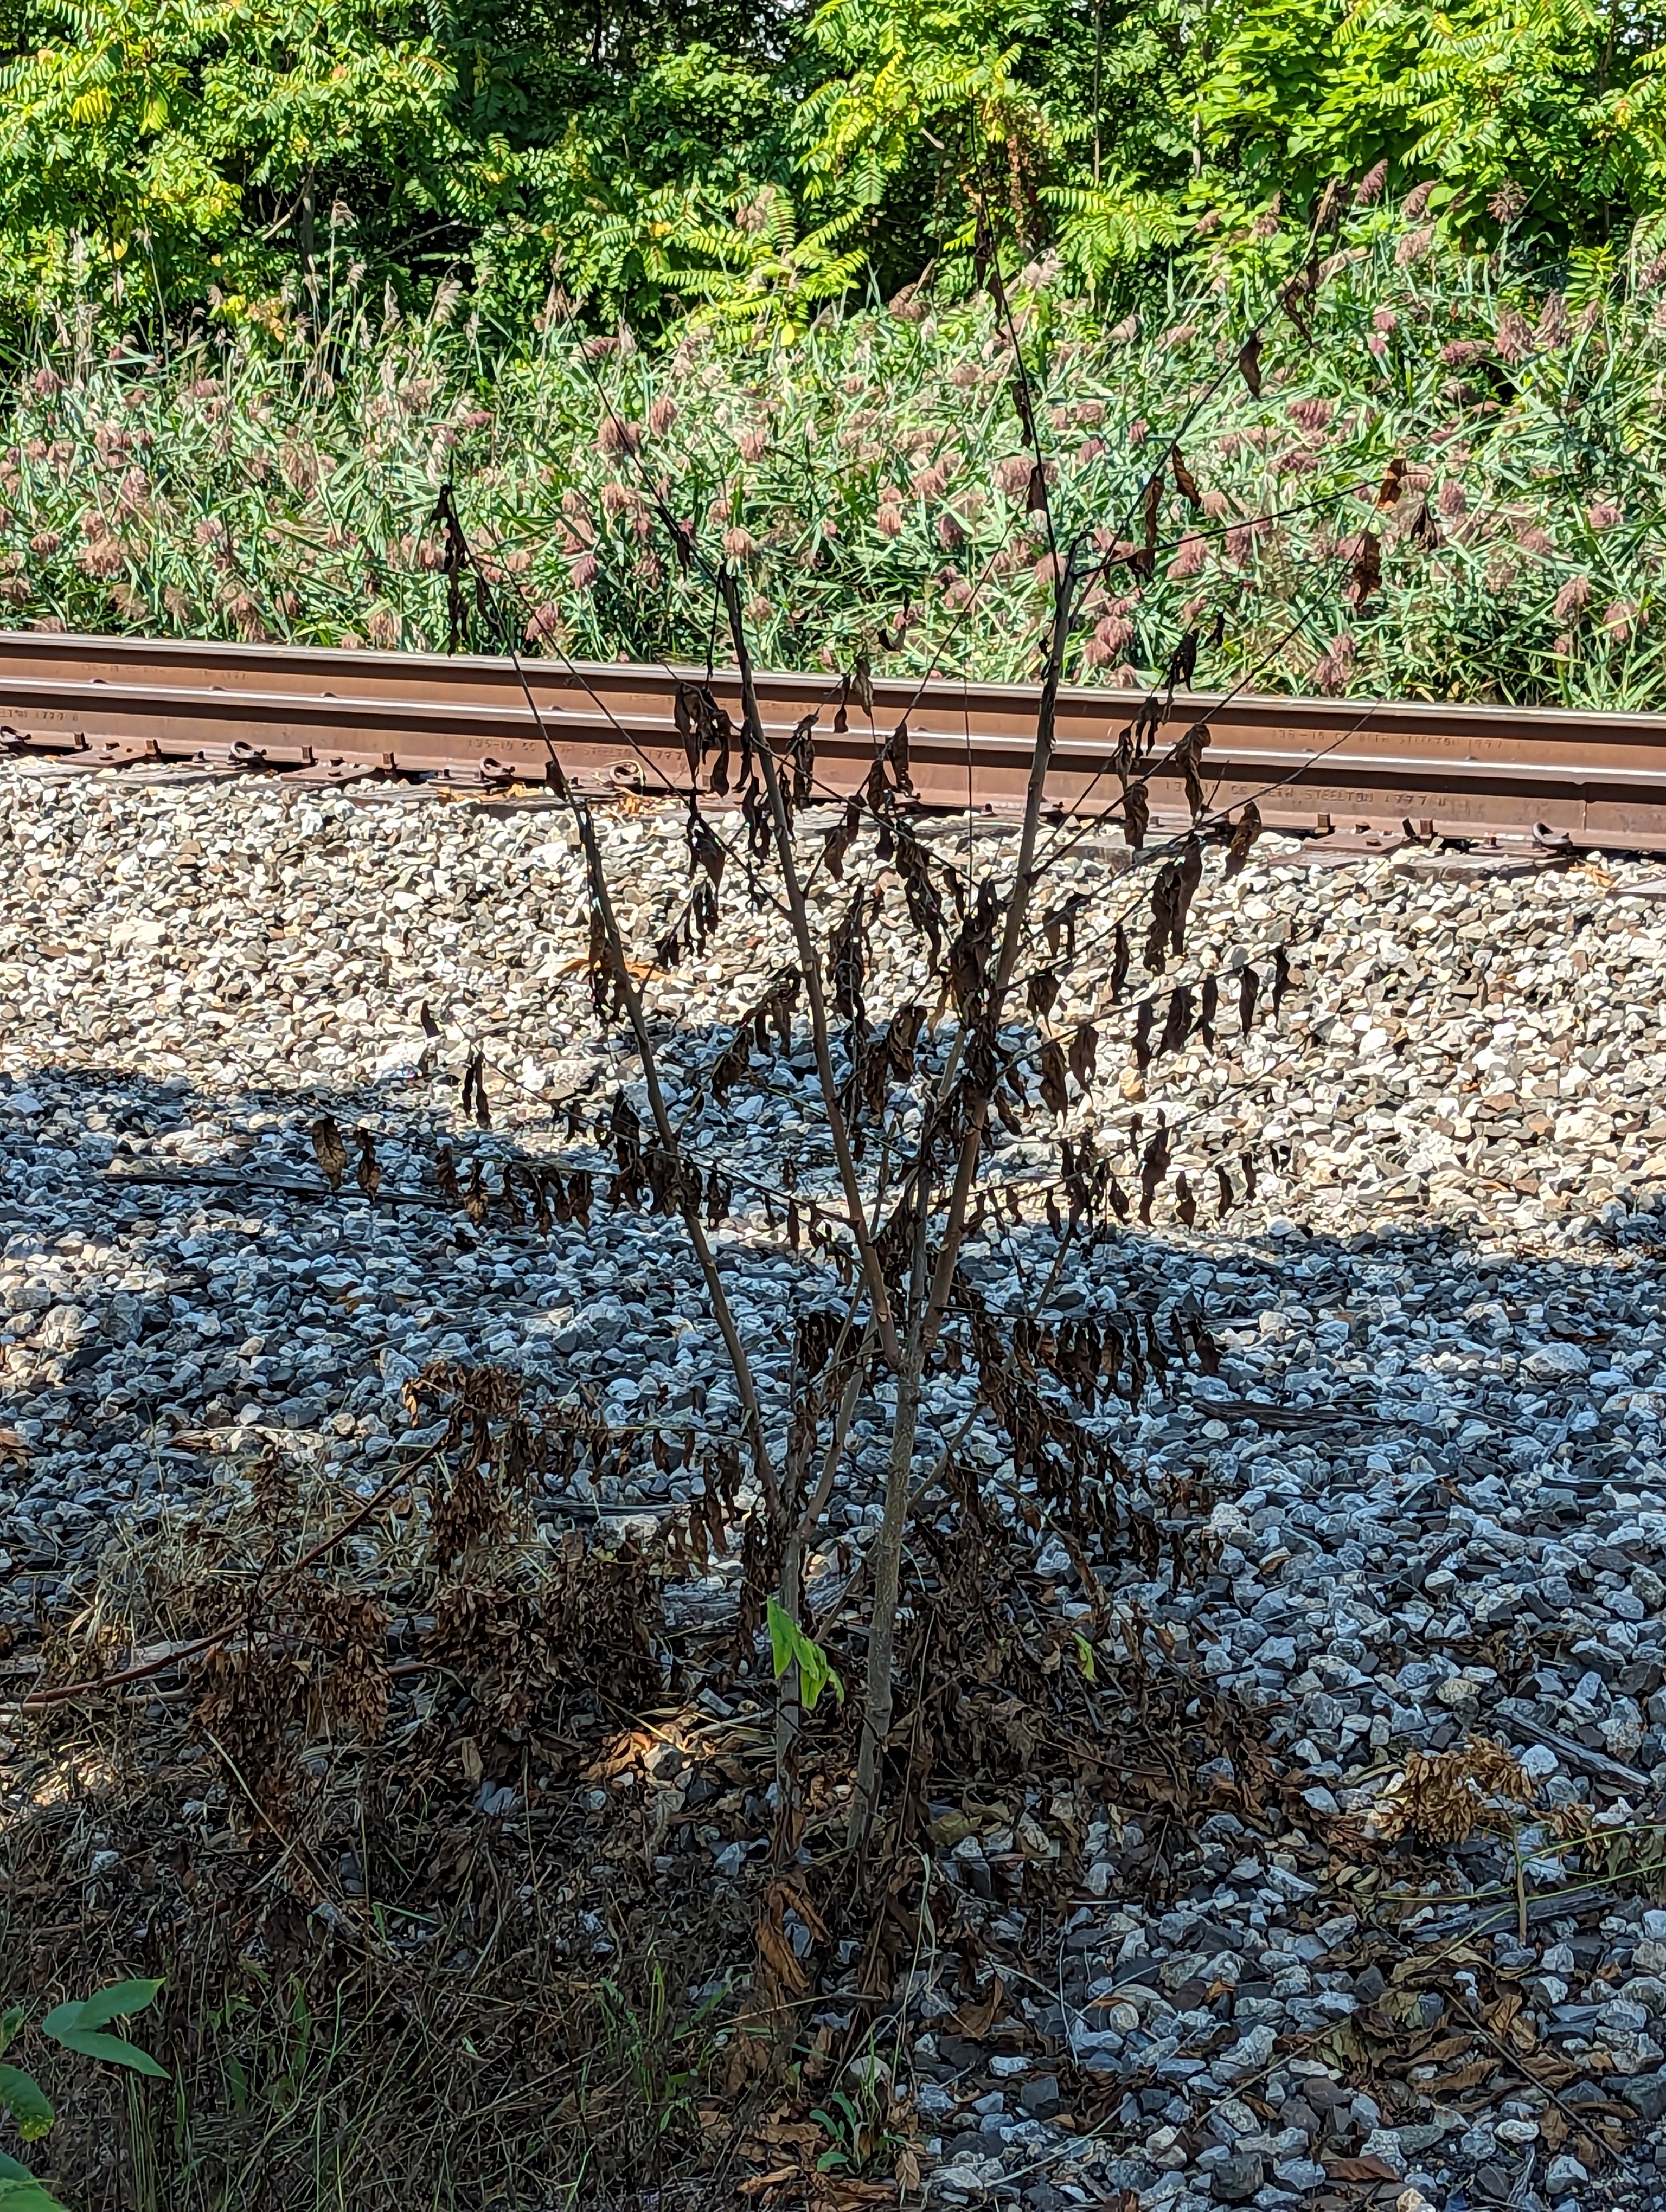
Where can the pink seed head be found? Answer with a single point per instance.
(104, 558)
(1512, 337)
(1189, 558)
(1336, 665)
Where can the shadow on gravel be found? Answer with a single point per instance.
(442, 1785)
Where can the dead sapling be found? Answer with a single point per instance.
(961, 1114)
(687, 1188)
(810, 963)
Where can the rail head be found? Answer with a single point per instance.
(1477, 769)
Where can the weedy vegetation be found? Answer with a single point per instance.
(869, 488)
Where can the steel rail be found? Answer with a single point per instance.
(1313, 764)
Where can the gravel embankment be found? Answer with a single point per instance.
(1436, 1432)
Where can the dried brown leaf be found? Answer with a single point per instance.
(329, 1151)
(1245, 831)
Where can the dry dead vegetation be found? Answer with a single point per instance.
(420, 1833)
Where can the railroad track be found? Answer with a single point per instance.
(1341, 768)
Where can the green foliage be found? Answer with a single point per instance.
(858, 2121)
(753, 165)
(157, 152)
(1497, 103)
(153, 147)
(78, 2027)
(660, 2050)
(790, 1647)
(22, 2097)
(1104, 227)
(652, 178)
(906, 83)
(754, 271)
(19, 2192)
(849, 2134)
(865, 474)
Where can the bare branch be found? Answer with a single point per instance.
(809, 962)
(752, 1419)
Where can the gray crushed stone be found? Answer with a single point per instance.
(1437, 1416)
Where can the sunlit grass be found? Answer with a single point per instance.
(870, 481)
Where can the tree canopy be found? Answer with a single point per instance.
(638, 159)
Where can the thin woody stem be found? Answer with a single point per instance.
(871, 1273)
(1011, 940)
(927, 1311)
(887, 1551)
(787, 1717)
(1017, 904)
(751, 1419)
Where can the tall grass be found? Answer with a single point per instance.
(870, 481)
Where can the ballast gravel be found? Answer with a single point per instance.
(1435, 1287)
